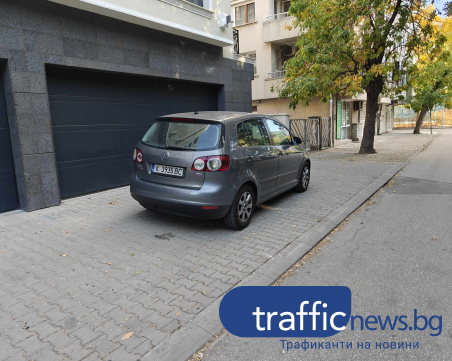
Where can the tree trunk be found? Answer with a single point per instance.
(419, 120)
(373, 91)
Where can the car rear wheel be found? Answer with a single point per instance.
(242, 209)
(305, 176)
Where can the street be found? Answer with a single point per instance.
(157, 156)
(394, 254)
(77, 278)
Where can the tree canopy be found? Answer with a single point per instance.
(448, 8)
(351, 46)
(431, 75)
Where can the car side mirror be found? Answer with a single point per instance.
(297, 140)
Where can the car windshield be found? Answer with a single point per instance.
(184, 135)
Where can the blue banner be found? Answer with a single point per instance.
(302, 311)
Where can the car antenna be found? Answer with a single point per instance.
(196, 112)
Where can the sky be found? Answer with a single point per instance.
(439, 4)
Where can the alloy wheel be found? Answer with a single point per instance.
(245, 206)
(305, 177)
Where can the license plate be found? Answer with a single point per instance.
(168, 170)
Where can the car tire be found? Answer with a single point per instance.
(305, 176)
(238, 217)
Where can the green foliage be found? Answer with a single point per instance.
(348, 46)
(431, 76)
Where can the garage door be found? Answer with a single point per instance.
(98, 118)
(8, 191)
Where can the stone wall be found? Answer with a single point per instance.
(36, 33)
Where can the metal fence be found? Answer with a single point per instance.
(406, 118)
(277, 74)
(314, 132)
(278, 16)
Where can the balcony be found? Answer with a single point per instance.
(274, 31)
(276, 74)
(278, 16)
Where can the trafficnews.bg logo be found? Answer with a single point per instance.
(306, 311)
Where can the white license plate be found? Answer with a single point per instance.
(168, 170)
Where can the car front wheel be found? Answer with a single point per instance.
(242, 209)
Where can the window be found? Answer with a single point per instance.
(196, 2)
(252, 133)
(288, 52)
(345, 114)
(183, 135)
(245, 14)
(286, 6)
(244, 140)
(279, 132)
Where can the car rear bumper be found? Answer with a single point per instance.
(212, 201)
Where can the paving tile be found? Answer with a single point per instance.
(146, 292)
(103, 346)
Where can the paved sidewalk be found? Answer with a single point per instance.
(75, 279)
(394, 254)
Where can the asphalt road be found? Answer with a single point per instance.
(395, 255)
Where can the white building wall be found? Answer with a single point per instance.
(178, 17)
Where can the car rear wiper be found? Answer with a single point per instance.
(175, 148)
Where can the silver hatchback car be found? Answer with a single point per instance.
(217, 165)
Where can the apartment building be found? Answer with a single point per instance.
(262, 36)
(81, 82)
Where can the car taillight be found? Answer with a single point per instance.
(213, 163)
(199, 164)
(137, 156)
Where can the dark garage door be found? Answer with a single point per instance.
(98, 118)
(8, 191)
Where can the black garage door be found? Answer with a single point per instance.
(8, 191)
(98, 118)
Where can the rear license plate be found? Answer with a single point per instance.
(168, 170)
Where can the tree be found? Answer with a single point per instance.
(431, 76)
(352, 46)
(448, 8)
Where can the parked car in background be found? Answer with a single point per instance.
(217, 165)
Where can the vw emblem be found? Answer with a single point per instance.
(165, 156)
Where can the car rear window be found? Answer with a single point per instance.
(184, 135)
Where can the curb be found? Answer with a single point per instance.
(207, 323)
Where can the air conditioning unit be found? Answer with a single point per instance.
(225, 20)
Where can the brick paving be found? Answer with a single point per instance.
(75, 279)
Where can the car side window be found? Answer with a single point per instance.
(280, 134)
(256, 132)
(242, 133)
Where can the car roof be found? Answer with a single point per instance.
(216, 116)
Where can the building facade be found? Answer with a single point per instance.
(81, 82)
(264, 37)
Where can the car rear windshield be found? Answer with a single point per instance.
(184, 135)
